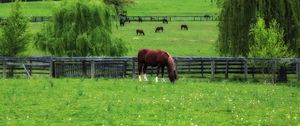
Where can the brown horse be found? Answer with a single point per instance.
(140, 32)
(159, 58)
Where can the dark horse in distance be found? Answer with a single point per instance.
(184, 27)
(158, 58)
(159, 29)
(140, 32)
(165, 21)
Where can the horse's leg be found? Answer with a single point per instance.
(162, 74)
(157, 73)
(140, 67)
(144, 71)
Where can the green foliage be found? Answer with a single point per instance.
(129, 102)
(14, 37)
(238, 15)
(119, 4)
(80, 28)
(268, 42)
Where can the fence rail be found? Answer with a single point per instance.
(119, 67)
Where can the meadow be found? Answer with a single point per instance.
(197, 41)
(140, 7)
(129, 102)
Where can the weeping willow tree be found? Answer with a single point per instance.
(238, 15)
(80, 28)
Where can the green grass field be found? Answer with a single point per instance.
(197, 41)
(141, 7)
(172, 8)
(31, 8)
(129, 102)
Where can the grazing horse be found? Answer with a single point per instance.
(159, 58)
(184, 27)
(122, 22)
(159, 29)
(165, 21)
(140, 32)
(140, 19)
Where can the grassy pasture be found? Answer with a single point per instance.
(31, 8)
(197, 41)
(129, 102)
(141, 7)
(172, 8)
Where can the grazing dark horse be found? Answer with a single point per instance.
(159, 29)
(184, 27)
(140, 19)
(159, 58)
(165, 21)
(140, 32)
(122, 22)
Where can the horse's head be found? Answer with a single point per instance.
(172, 70)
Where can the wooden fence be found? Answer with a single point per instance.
(92, 67)
(144, 18)
(174, 18)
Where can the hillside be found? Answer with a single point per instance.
(141, 8)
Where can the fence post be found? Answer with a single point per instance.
(213, 69)
(125, 68)
(274, 71)
(4, 69)
(226, 70)
(133, 69)
(51, 72)
(92, 69)
(298, 71)
(202, 69)
(246, 69)
(30, 68)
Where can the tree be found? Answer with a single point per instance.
(238, 15)
(15, 36)
(119, 4)
(269, 43)
(80, 28)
